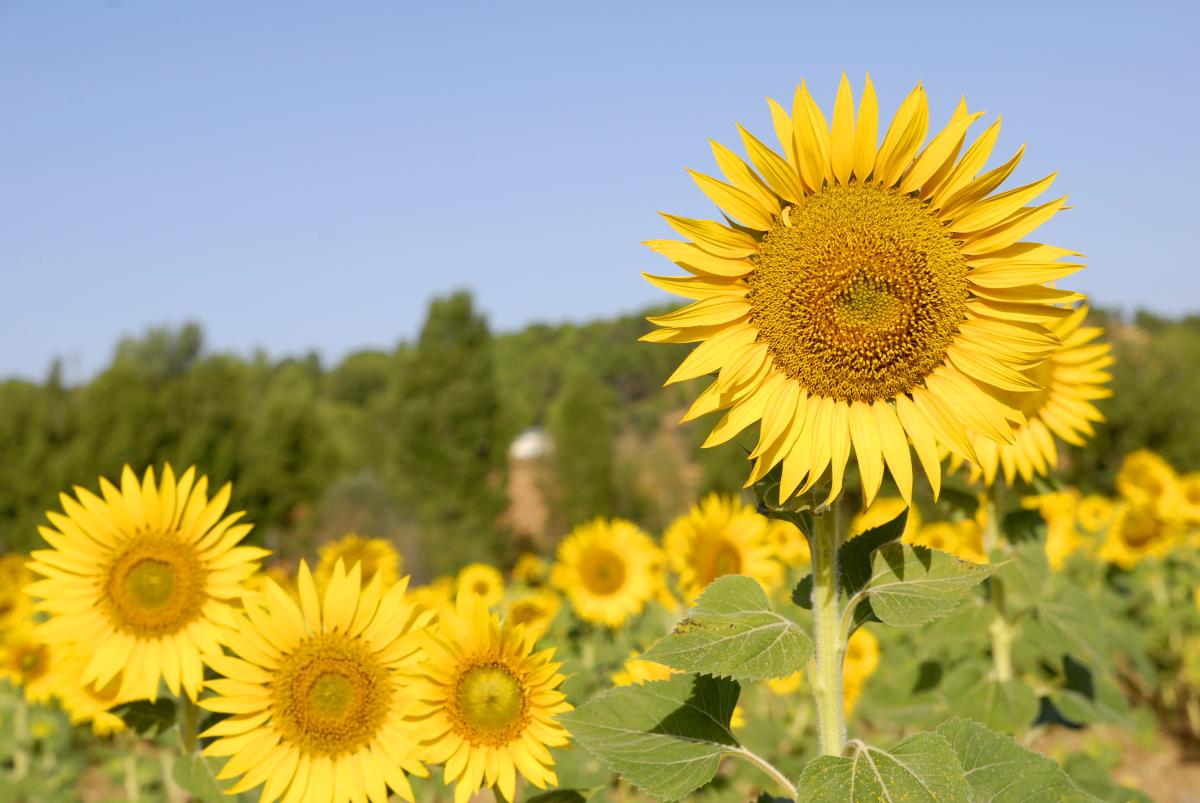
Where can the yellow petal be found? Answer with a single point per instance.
(866, 132)
(841, 145)
(903, 138)
(779, 175)
(812, 139)
(715, 238)
(996, 209)
(739, 205)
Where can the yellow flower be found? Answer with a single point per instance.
(15, 604)
(143, 579)
(1060, 403)
(869, 296)
(29, 662)
(437, 596)
(861, 661)
(1059, 510)
(737, 720)
(316, 692)
(483, 581)
(257, 584)
(788, 544)
(883, 510)
(721, 536)
(487, 703)
(84, 702)
(373, 554)
(636, 671)
(609, 570)
(963, 539)
(530, 569)
(1189, 492)
(1138, 532)
(788, 685)
(535, 611)
(1145, 479)
(1094, 513)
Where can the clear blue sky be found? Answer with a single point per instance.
(306, 175)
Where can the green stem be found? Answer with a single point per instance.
(826, 668)
(21, 740)
(189, 718)
(1001, 630)
(131, 780)
(768, 768)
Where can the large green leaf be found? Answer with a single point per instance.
(197, 776)
(910, 586)
(1000, 771)
(921, 769)
(1087, 697)
(732, 632)
(667, 737)
(972, 692)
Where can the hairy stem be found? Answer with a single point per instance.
(132, 787)
(21, 740)
(768, 768)
(826, 668)
(1001, 629)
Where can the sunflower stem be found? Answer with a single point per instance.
(189, 718)
(767, 767)
(1001, 630)
(21, 738)
(826, 668)
(129, 766)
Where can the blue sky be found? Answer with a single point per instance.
(304, 175)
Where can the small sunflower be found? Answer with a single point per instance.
(883, 510)
(786, 685)
(535, 611)
(788, 544)
(721, 536)
(438, 596)
(143, 579)
(1139, 532)
(963, 539)
(1058, 509)
(860, 662)
(257, 584)
(29, 662)
(863, 296)
(84, 702)
(1094, 513)
(15, 604)
(1145, 479)
(1189, 492)
(316, 692)
(488, 702)
(483, 581)
(636, 671)
(530, 569)
(609, 569)
(1070, 380)
(373, 554)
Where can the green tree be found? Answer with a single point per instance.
(582, 422)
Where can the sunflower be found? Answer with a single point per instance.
(963, 539)
(863, 297)
(1145, 479)
(720, 536)
(786, 685)
(636, 671)
(860, 662)
(482, 580)
(315, 692)
(1094, 513)
(535, 611)
(1059, 510)
(84, 702)
(373, 554)
(142, 579)
(257, 584)
(609, 569)
(1189, 492)
(530, 569)
(883, 510)
(29, 662)
(1138, 532)
(488, 702)
(437, 596)
(15, 604)
(1070, 380)
(788, 544)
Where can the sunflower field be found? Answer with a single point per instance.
(935, 537)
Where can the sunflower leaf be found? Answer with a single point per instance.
(562, 796)
(667, 737)
(146, 718)
(198, 778)
(923, 769)
(732, 632)
(910, 586)
(1001, 771)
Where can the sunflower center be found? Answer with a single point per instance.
(32, 661)
(859, 294)
(524, 612)
(331, 695)
(490, 702)
(155, 586)
(603, 572)
(1139, 529)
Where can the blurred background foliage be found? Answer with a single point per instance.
(413, 444)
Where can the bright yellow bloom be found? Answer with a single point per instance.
(1189, 492)
(535, 611)
(861, 661)
(438, 596)
(257, 584)
(609, 569)
(1070, 380)
(530, 569)
(1058, 509)
(788, 544)
(143, 579)
(373, 554)
(29, 662)
(1138, 532)
(870, 296)
(83, 702)
(636, 671)
(883, 510)
(483, 581)
(15, 604)
(1145, 479)
(1094, 513)
(788, 685)
(317, 692)
(720, 536)
(963, 539)
(487, 703)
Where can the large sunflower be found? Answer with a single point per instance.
(1070, 380)
(863, 297)
(488, 702)
(316, 691)
(721, 536)
(609, 569)
(142, 579)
